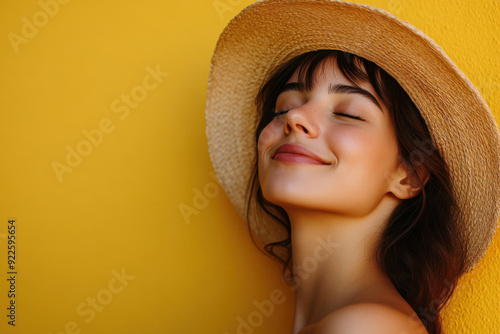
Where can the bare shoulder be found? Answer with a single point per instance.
(369, 318)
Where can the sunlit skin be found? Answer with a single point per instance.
(338, 177)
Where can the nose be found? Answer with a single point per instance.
(301, 120)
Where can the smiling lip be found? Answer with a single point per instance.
(297, 154)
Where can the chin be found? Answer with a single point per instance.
(292, 197)
(281, 188)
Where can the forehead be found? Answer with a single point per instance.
(326, 71)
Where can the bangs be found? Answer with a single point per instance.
(351, 67)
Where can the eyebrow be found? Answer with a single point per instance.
(353, 90)
(332, 89)
(292, 86)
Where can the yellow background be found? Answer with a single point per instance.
(119, 209)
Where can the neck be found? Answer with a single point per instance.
(334, 262)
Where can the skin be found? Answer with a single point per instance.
(343, 196)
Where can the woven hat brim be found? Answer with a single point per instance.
(270, 32)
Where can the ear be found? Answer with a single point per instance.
(408, 181)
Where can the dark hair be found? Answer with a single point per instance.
(420, 250)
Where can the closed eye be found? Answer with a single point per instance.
(281, 112)
(341, 114)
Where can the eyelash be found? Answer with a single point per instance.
(278, 113)
(281, 112)
(348, 116)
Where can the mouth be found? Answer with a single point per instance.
(293, 153)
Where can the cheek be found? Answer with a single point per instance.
(269, 136)
(367, 160)
(371, 148)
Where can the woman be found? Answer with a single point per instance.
(354, 129)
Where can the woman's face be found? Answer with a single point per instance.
(334, 150)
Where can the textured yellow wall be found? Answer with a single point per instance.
(135, 236)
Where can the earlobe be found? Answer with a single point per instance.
(409, 182)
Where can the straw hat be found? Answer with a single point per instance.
(270, 32)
